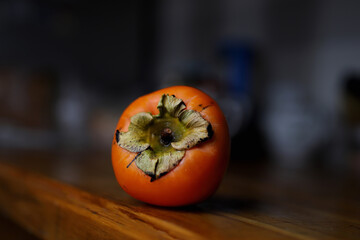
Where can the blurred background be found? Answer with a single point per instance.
(286, 73)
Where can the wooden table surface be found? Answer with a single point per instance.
(76, 196)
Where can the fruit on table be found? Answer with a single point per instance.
(171, 147)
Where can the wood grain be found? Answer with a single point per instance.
(75, 196)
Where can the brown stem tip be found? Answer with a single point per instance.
(166, 136)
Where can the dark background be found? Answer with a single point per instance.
(286, 73)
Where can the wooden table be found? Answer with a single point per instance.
(75, 196)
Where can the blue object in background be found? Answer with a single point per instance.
(237, 102)
(238, 58)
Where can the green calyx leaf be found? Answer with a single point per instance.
(170, 105)
(136, 138)
(197, 130)
(157, 164)
(149, 136)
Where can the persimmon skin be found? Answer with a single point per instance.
(198, 174)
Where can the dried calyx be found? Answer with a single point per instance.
(161, 140)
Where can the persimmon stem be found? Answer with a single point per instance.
(166, 136)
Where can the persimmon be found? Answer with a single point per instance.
(171, 147)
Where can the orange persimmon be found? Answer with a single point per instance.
(171, 147)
